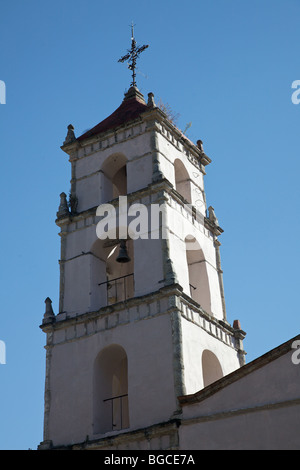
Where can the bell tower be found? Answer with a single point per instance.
(142, 317)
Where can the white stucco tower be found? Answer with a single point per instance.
(130, 338)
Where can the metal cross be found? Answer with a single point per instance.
(132, 56)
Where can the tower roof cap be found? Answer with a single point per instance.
(132, 106)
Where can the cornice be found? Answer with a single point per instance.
(152, 189)
(155, 120)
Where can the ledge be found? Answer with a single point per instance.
(164, 301)
(129, 436)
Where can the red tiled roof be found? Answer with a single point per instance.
(131, 108)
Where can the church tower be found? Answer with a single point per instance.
(142, 317)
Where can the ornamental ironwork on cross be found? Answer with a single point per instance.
(132, 56)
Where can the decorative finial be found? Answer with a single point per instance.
(49, 314)
(200, 145)
(212, 216)
(237, 325)
(63, 210)
(70, 135)
(132, 55)
(151, 103)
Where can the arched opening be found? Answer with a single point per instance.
(119, 182)
(114, 181)
(211, 368)
(110, 391)
(182, 181)
(199, 288)
(120, 276)
(111, 281)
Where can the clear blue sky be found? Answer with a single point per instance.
(227, 67)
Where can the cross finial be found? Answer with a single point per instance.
(132, 55)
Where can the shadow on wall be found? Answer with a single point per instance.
(114, 182)
(211, 368)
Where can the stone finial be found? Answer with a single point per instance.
(237, 325)
(70, 135)
(212, 216)
(134, 92)
(200, 145)
(63, 210)
(239, 335)
(49, 314)
(151, 103)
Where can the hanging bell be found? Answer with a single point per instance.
(123, 255)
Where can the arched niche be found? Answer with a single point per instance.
(114, 177)
(110, 390)
(211, 368)
(197, 273)
(111, 281)
(182, 180)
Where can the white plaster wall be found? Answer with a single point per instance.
(131, 148)
(169, 153)
(81, 292)
(80, 240)
(91, 186)
(178, 257)
(89, 164)
(195, 340)
(180, 226)
(97, 275)
(274, 382)
(148, 266)
(215, 293)
(245, 426)
(88, 192)
(148, 344)
(139, 173)
(199, 279)
(77, 285)
(276, 429)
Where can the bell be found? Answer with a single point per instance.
(123, 255)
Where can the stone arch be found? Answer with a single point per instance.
(182, 180)
(110, 390)
(114, 177)
(211, 368)
(197, 273)
(111, 281)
